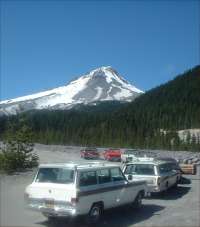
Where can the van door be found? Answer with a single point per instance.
(124, 190)
(87, 190)
(108, 192)
(55, 184)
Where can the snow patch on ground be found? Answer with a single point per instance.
(183, 134)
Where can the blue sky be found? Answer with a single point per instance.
(45, 44)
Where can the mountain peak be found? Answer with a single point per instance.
(102, 68)
(101, 84)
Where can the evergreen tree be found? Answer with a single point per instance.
(17, 150)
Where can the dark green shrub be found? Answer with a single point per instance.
(17, 152)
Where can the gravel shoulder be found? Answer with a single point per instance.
(180, 207)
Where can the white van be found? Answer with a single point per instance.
(129, 155)
(159, 175)
(73, 189)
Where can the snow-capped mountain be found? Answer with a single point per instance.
(102, 84)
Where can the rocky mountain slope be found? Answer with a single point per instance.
(102, 84)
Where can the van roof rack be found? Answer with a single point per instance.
(78, 164)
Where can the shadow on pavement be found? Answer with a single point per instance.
(123, 217)
(118, 217)
(172, 193)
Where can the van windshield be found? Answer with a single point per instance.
(140, 169)
(55, 175)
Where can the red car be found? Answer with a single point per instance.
(90, 153)
(112, 154)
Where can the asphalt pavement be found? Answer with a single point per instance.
(179, 207)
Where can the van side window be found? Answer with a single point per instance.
(88, 178)
(144, 169)
(116, 174)
(103, 176)
(140, 169)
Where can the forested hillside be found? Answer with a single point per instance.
(151, 121)
(174, 105)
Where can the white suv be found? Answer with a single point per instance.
(130, 155)
(159, 174)
(81, 188)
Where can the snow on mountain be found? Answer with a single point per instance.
(102, 84)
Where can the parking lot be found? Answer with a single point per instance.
(179, 207)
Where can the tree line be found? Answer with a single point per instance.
(150, 121)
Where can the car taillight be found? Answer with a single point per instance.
(74, 201)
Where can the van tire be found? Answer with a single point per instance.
(95, 213)
(138, 200)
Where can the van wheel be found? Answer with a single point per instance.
(95, 213)
(138, 201)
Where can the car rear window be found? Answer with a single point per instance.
(140, 169)
(55, 175)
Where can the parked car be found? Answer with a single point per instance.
(173, 163)
(112, 154)
(90, 153)
(159, 174)
(71, 189)
(130, 155)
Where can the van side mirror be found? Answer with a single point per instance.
(130, 177)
